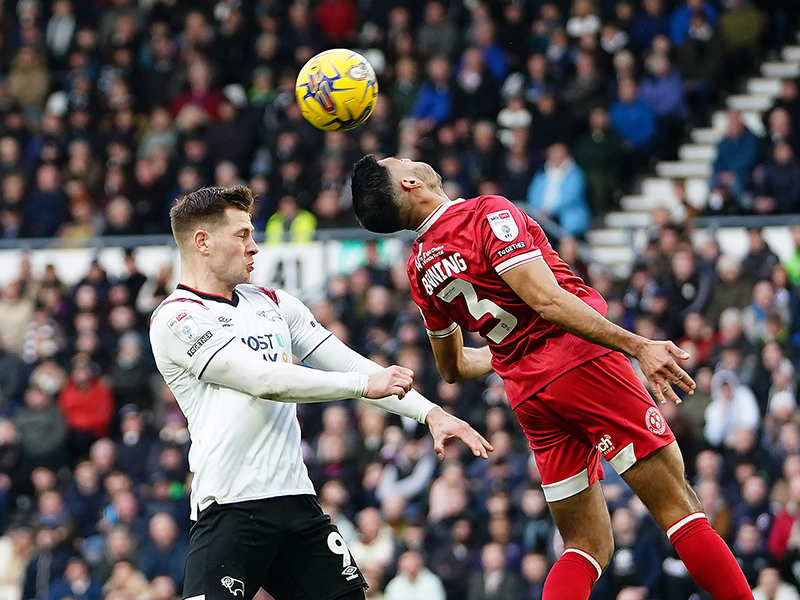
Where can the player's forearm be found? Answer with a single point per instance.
(334, 355)
(279, 381)
(474, 362)
(572, 314)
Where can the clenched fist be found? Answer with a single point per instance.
(391, 381)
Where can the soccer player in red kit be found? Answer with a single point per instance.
(482, 264)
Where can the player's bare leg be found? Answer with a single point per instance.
(660, 482)
(585, 525)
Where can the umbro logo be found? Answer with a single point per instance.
(350, 573)
(226, 321)
(234, 585)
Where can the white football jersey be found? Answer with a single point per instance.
(242, 447)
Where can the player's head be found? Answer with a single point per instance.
(385, 191)
(213, 225)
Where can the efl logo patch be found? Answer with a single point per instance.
(503, 225)
(184, 327)
(655, 421)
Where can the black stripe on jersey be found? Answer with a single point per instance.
(208, 362)
(315, 347)
(215, 297)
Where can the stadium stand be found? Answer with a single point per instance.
(677, 123)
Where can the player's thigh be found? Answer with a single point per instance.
(660, 481)
(584, 523)
(604, 401)
(314, 562)
(228, 555)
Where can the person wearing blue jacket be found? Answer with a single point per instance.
(559, 191)
(737, 153)
(434, 103)
(682, 16)
(632, 117)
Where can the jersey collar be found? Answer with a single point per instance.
(438, 212)
(215, 297)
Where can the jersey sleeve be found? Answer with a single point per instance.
(186, 334)
(505, 238)
(306, 332)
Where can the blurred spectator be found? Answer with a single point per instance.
(165, 549)
(437, 36)
(777, 186)
(737, 154)
(375, 544)
(731, 289)
(772, 587)
(42, 429)
(29, 80)
(636, 560)
(741, 27)
(681, 20)
(559, 191)
(653, 21)
(586, 90)
(760, 259)
(16, 550)
(77, 583)
(414, 581)
(494, 581)
(290, 222)
(87, 404)
(663, 90)
(749, 553)
(600, 154)
(733, 405)
(454, 560)
(633, 118)
(434, 103)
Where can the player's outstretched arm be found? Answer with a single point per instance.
(455, 362)
(335, 355)
(233, 368)
(535, 283)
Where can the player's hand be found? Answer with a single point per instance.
(658, 365)
(444, 426)
(391, 381)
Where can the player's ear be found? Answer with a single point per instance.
(201, 240)
(411, 182)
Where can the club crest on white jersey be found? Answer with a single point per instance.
(503, 225)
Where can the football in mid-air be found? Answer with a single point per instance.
(337, 90)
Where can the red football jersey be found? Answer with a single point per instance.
(461, 251)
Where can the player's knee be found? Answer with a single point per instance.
(605, 552)
(691, 497)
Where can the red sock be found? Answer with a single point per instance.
(708, 559)
(572, 577)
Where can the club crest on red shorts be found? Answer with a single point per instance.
(655, 421)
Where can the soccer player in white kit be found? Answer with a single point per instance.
(225, 349)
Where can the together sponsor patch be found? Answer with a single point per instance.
(200, 341)
(511, 248)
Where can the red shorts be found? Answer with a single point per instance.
(599, 409)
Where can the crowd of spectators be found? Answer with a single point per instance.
(109, 110)
(93, 448)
